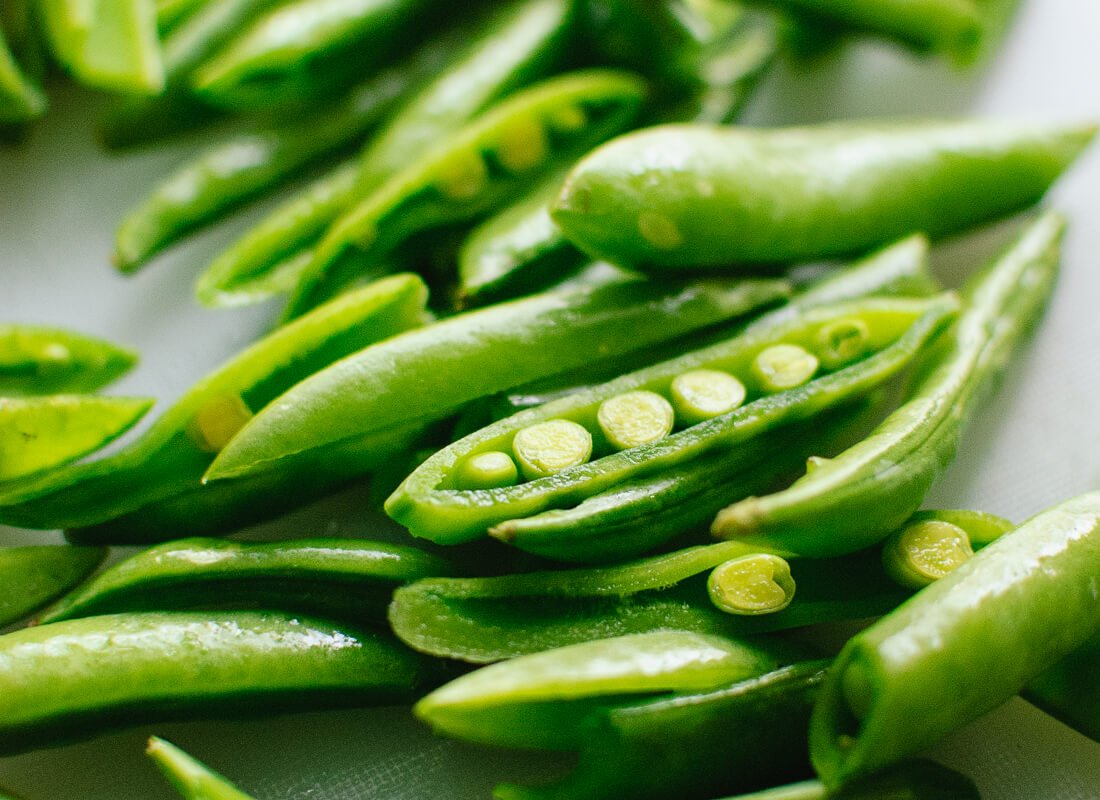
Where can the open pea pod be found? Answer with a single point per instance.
(1069, 690)
(853, 500)
(38, 360)
(341, 578)
(542, 701)
(31, 577)
(474, 172)
(168, 460)
(189, 776)
(788, 371)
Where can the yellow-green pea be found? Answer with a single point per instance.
(784, 366)
(752, 585)
(842, 342)
(635, 418)
(489, 470)
(218, 421)
(549, 447)
(701, 394)
(922, 553)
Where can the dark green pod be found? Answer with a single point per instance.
(38, 360)
(21, 100)
(1069, 690)
(31, 577)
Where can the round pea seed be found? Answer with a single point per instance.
(549, 447)
(842, 342)
(705, 393)
(218, 421)
(752, 585)
(490, 470)
(635, 418)
(784, 366)
(523, 145)
(922, 553)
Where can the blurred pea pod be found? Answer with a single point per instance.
(516, 44)
(851, 501)
(171, 12)
(38, 360)
(21, 99)
(31, 577)
(168, 460)
(911, 780)
(189, 776)
(1069, 690)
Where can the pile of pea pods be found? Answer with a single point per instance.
(656, 397)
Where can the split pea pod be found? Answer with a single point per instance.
(998, 622)
(851, 501)
(692, 196)
(189, 776)
(170, 457)
(341, 578)
(1069, 690)
(788, 372)
(428, 375)
(75, 679)
(31, 577)
(479, 168)
(38, 360)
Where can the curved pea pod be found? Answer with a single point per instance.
(21, 99)
(473, 172)
(998, 622)
(31, 577)
(541, 701)
(690, 196)
(853, 500)
(427, 375)
(38, 433)
(433, 503)
(168, 460)
(189, 776)
(932, 544)
(37, 360)
(1069, 690)
(911, 780)
(75, 679)
(741, 737)
(343, 578)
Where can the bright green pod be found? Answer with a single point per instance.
(168, 460)
(998, 621)
(21, 100)
(855, 499)
(427, 375)
(189, 776)
(431, 506)
(31, 577)
(691, 196)
(341, 578)
(38, 360)
(39, 433)
(910, 780)
(75, 679)
(473, 172)
(932, 544)
(1069, 690)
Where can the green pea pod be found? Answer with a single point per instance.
(911, 780)
(434, 504)
(289, 52)
(741, 737)
(21, 100)
(75, 679)
(170, 458)
(36, 360)
(1069, 690)
(342, 578)
(427, 375)
(171, 13)
(998, 621)
(474, 172)
(853, 500)
(541, 701)
(39, 433)
(189, 776)
(31, 577)
(690, 196)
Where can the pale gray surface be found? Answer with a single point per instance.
(1037, 443)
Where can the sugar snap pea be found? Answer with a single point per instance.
(852, 500)
(998, 621)
(911, 780)
(74, 679)
(169, 458)
(479, 168)
(38, 360)
(1069, 690)
(31, 577)
(433, 506)
(427, 375)
(934, 543)
(682, 196)
(189, 776)
(541, 701)
(342, 578)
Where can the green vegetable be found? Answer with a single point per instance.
(189, 776)
(21, 99)
(171, 12)
(1069, 690)
(37, 360)
(935, 543)
(31, 577)
(911, 780)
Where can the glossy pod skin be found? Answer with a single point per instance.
(1069, 691)
(496, 156)
(343, 578)
(962, 646)
(189, 776)
(432, 505)
(853, 500)
(911, 780)
(168, 460)
(31, 577)
(691, 196)
(74, 679)
(36, 360)
(427, 375)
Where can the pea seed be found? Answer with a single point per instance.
(924, 552)
(489, 470)
(549, 447)
(219, 421)
(705, 393)
(462, 177)
(659, 231)
(842, 342)
(752, 585)
(784, 366)
(568, 118)
(635, 418)
(522, 145)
